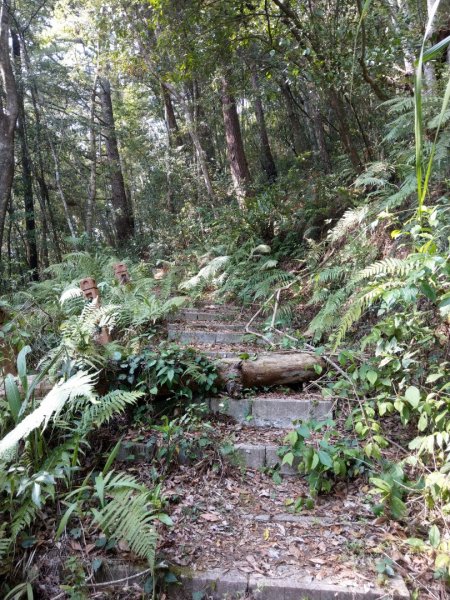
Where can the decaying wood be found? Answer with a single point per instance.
(268, 369)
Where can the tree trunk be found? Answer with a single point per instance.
(318, 128)
(237, 159)
(343, 128)
(294, 123)
(123, 216)
(30, 218)
(9, 110)
(203, 129)
(267, 370)
(39, 170)
(266, 157)
(173, 131)
(92, 192)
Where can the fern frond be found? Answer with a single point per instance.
(127, 517)
(81, 384)
(4, 542)
(24, 517)
(103, 409)
(391, 266)
(352, 218)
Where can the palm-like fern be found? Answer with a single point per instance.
(104, 409)
(126, 516)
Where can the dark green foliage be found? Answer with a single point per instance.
(170, 371)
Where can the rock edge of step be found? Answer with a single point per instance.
(219, 584)
(260, 411)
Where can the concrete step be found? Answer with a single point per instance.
(219, 313)
(205, 337)
(219, 584)
(262, 456)
(202, 325)
(272, 411)
(229, 584)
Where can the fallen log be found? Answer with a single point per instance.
(267, 370)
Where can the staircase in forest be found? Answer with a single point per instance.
(236, 535)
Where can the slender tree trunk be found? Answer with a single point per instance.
(237, 159)
(92, 192)
(343, 128)
(30, 218)
(70, 224)
(294, 123)
(9, 110)
(318, 128)
(173, 131)
(123, 216)
(40, 171)
(201, 156)
(203, 129)
(266, 156)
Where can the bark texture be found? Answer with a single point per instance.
(123, 216)
(9, 110)
(267, 370)
(92, 192)
(266, 156)
(237, 159)
(27, 183)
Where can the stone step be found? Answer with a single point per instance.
(219, 584)
(229, 584)
(205, 337)
(206, 325)
(272, 411)
(262, 456)
(217, 314)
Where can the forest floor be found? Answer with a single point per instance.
(251, 521)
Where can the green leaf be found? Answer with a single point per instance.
(423, 422)
(371, 376)
(65, 519)
(36, 494)
(13, 396)
(22, 366)
(412, 395)
(164, 519)
(325, 459)
(288, 459)
(398, 507)
(291, 438)
(315, 461)
(112, 457)
(434, 536)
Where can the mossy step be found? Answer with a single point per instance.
(205, 337)
(217, 314)
(220, 584)
(272, 411)
(233, 584)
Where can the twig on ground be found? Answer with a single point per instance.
(117, 581)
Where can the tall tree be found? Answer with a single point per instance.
(9, 110)
(123, 214)
(27, 182)
(266, 156)
(237, 158)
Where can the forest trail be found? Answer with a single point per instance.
(237, 533)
